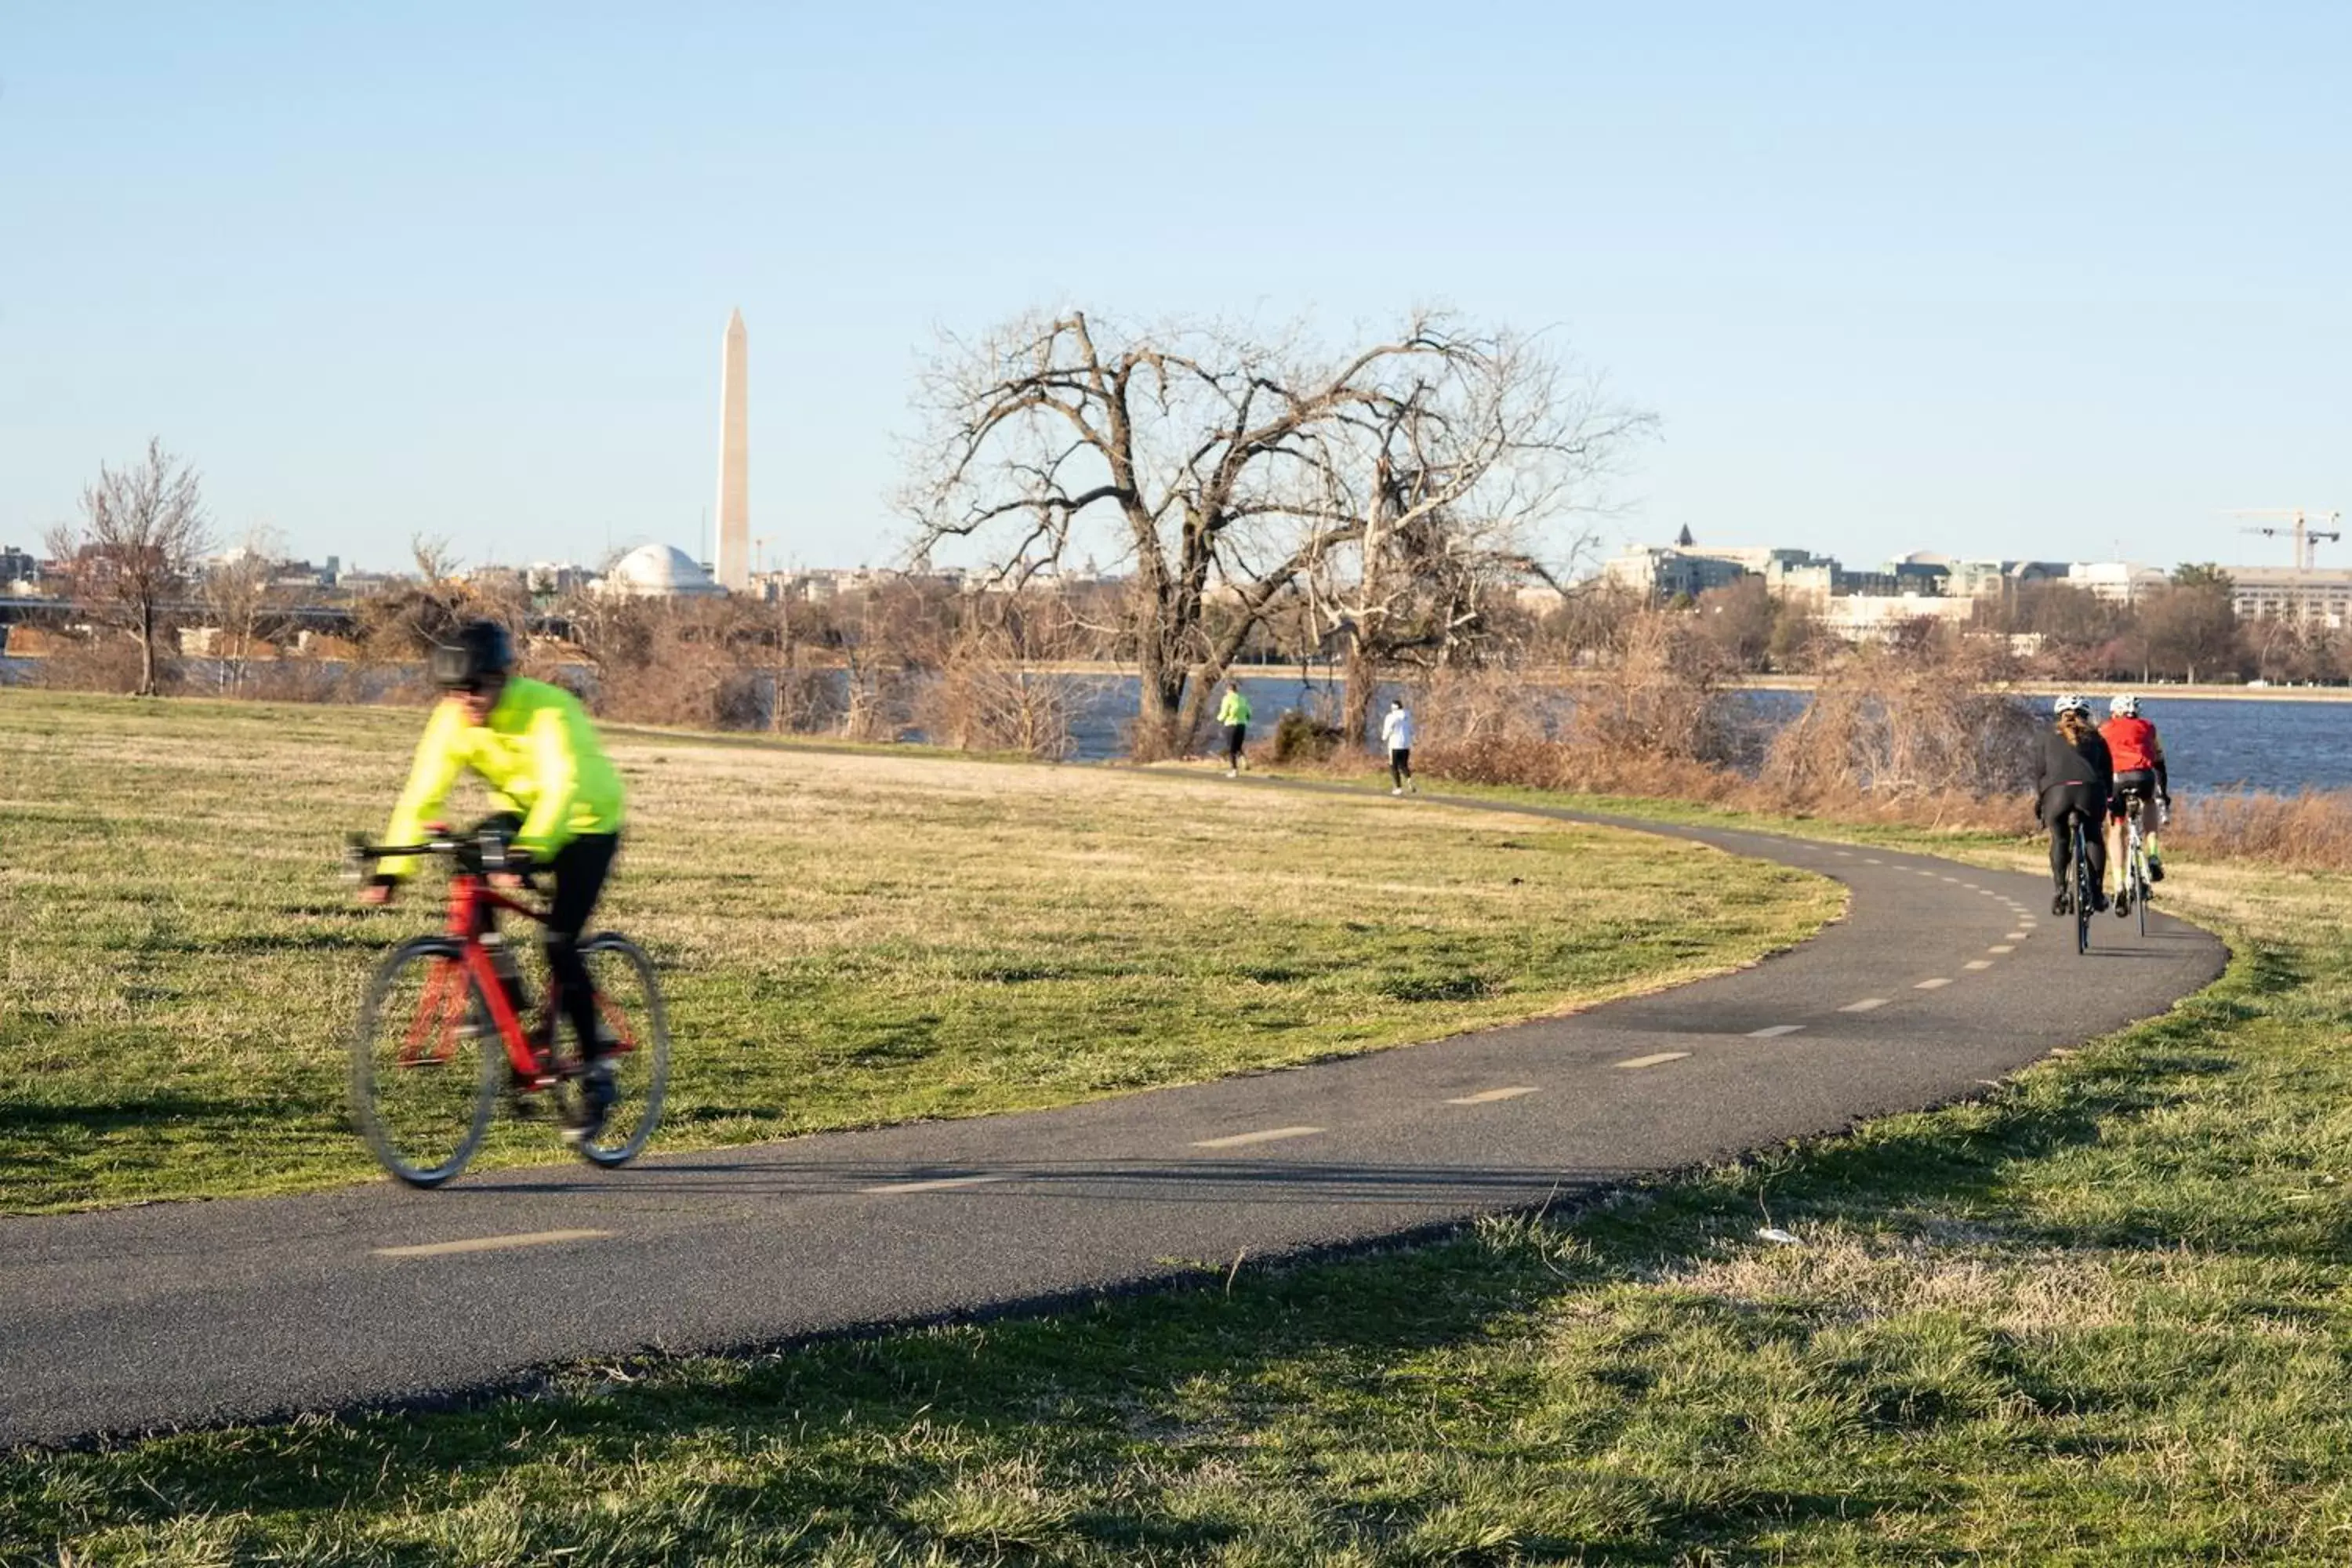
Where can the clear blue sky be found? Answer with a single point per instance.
(1989, 279)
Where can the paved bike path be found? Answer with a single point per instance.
(1941, 978)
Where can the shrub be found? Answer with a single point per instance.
(1300, 737)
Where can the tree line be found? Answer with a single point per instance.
(1377, 509)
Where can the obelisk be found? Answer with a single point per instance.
(734, 564)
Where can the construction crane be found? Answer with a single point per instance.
(2302, 531)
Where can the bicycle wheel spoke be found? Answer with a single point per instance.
(433, 1033)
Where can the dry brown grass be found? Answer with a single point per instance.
(1890, 739)
(2312, 830)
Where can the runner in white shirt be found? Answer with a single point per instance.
(1396, 734)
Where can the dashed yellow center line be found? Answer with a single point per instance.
(2001, 947)
(491, 1243)
(1270, 1135)
(1978, 963)
(1864, 1005)
(2012, 936)
(1936, 983)
(1488, 1096)
(935, 1184)
(1774, 1032)
(1651, 1061)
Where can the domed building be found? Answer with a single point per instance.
(657, 571)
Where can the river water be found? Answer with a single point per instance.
(2210, 744)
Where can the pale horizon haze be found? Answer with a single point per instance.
(2002, 280)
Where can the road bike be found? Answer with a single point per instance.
(441, 1037)
(2134, 880)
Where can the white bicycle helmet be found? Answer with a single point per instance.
(2070, 702)
(2124, 706)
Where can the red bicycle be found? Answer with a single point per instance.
(441, 1036)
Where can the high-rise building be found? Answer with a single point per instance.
(734, 563)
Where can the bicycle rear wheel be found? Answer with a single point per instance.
(636, 1026)
(425, 1063)
(2083, 888)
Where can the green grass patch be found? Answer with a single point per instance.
(2096, 1317)
(847, 938)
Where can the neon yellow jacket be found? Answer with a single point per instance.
(540, 757)
(1234, 709)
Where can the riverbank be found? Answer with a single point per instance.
(2147, 690)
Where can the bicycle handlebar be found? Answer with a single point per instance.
(485, 852)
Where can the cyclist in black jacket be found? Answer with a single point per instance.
(2076, 778)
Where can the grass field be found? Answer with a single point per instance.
(846, 939)
(2097, 1317)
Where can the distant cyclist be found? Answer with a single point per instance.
(2075, 779)
(2139, 771)
(555, 794)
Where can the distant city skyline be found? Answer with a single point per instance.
(2014, 281)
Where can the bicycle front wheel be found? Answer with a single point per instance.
(635, 1048)
(424, 1063)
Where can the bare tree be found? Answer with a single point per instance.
(1203, 455)
(238, 595)
(998, 684)
(1459, 479)
(436, 561)
(127, 559)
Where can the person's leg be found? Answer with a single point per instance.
(1396, 771)
(2112, 850)
(2058, 855)
(580, 868)
(2094, 844)
(1404, 761)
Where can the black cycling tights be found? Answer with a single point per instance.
(578, 870)
(2060, 806)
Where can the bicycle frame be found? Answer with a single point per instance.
(471, 900)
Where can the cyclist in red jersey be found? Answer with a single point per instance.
(2139, 769)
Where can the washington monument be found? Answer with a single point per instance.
(734, 463)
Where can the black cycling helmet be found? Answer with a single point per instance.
(481, 653)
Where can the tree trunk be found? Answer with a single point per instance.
(146, 651)
(1160, 729)
(1356, 693)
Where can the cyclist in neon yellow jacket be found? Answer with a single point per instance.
(555, 794)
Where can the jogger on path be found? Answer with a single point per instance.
(1396, 734)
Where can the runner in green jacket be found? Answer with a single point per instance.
(1233, 713)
